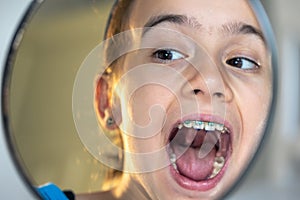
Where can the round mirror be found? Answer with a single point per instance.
(140, 99)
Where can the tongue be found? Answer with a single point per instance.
(193, 167)
(195, 152)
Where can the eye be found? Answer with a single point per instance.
(242, 63)
(167, 55)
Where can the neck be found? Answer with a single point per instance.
(129, 188)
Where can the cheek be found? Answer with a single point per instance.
(255, 99)
(148, 105)
(144, 114)
(257, 105)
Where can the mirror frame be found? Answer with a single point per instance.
(9, 65)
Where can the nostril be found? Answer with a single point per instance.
(196, 91)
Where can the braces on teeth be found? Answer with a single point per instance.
(200, 125)
(207, 126)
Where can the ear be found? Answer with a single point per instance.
(107, 110)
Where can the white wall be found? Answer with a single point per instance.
(276, 175)
(12, 186)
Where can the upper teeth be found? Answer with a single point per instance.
(200, 125)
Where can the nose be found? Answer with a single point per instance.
(209, 82)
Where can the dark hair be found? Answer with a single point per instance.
(117, 22)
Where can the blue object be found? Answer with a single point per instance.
(50, 191)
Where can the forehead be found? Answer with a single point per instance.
(209, 13)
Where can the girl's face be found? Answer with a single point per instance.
(195, 97)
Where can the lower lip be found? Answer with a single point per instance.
(198, 185)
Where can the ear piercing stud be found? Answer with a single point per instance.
(110, 121)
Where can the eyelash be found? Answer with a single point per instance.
(167, 55)
(237, 61)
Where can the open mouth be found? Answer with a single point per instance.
(198, 152)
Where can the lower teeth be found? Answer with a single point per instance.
(218, 165)
(175, 167)
(173, 158)
(173, 161)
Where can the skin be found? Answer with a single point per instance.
(202, 82)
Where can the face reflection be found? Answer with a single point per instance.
(211, 84)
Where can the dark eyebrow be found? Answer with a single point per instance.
(171, 18)
(155, 20)
(242, 28)
(229, 28)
